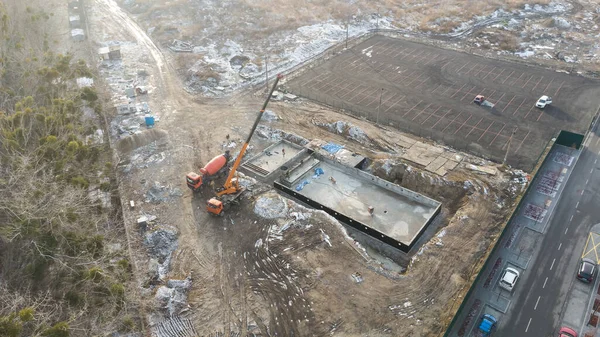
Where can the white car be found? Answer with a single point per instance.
(543, 101)
(509, 279)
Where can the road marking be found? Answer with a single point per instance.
(527, 328)
(592, 170)
(587, 181)
(536, 303)
(544, 286)
(577, 206)
(582, 190)
(552, 265)
(566, 230)
(560, 245)
(595, 161)
(571, 218)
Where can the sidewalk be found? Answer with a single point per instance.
(519, 244)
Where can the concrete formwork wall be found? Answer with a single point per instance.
(303, 153)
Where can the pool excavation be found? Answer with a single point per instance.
(333, 182)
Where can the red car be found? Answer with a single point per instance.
(567, 332)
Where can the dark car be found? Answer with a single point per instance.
(586, 271)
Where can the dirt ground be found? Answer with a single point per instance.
(294, 274)
(429, 91)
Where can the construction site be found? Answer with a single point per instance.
(361, 199)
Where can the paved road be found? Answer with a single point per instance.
(543, 291)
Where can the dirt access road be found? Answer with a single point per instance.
(248, 273)
(429, 91)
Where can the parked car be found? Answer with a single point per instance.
(587, 270)
(479, 99)
(567, 332)
(487, 324)
(543, 101)
(509, 279)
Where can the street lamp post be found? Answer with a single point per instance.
(379, 106)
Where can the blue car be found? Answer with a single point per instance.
(488, 322)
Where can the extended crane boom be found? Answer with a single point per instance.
(231, 185)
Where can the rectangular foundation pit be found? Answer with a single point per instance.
(399, 218)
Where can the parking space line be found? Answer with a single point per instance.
(414, 79)
(436, 88)
(472, 68)
(389, 98)
(460, 113)
(500, 99)
(488, 74)
(523, 141)
(538, 82)
(351, 91)
(529, 79)
(507, 77)
(557, 90)
(509, 103)
(359, 93)
(423, 81)
(376, 98)
(405, 55)
(530, 109)
(518, 78)
(433, 114)
(344, 88)
(411, 109)
(546, 88)
(422, 57)
(484, 132)
(540, 116)
(420, 112)
(498, 134)
(503, 69)
(467, 94)
(398, 101)
(443, 117)
(369, 95)
(464, 65)
(473, 128)
(463, 124)
(480, 70)
(457, 91)
(433, 59)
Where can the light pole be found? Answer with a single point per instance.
(267, 71)
(379, 106)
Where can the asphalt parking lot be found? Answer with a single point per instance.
(429, 91)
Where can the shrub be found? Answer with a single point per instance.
(26, 314)
(60, 329)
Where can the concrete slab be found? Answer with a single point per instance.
(436, 164)
(576, 311)
(395, 215)
(273, 157)
(422, 153)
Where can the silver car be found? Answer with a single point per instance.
(509, 279)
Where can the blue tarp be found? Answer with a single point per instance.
(332, 147)
(300, 186)
(318, 172)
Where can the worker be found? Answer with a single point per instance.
(332, 179)
(371, 210)
(212, 184)
(227, 138)
(283, 152)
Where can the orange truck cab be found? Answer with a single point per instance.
(214, 206)
(214, 168)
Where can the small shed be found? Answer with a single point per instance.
(75, 21)
(77, 34)
(114, 52)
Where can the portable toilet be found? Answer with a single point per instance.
(149, 120)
